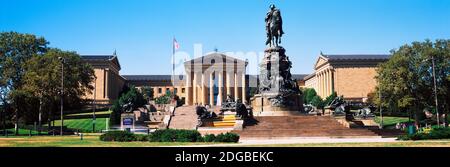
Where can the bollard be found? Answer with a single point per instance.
(81, 136)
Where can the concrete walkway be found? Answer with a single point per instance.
(299, 140)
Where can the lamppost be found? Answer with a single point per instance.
(62, 60)
(94, 103)
(381, 110)
(435, 91)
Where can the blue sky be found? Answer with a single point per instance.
(142, 30)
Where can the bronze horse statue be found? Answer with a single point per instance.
(274, 28)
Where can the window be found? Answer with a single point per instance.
(182, 90)
(159, 90)
(175, 91)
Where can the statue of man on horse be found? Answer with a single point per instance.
(274, 26)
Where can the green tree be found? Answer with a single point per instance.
(132, 95)
(317, 102)
(406, 80)
(330, 98)
(308, 95)
(15, 50)
(147, 91)
(42, 79)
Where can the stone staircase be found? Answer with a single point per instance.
(184, 118)
(222, 121)
(299, 126)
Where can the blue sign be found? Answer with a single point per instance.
(128, 121)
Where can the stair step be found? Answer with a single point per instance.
(303, 126)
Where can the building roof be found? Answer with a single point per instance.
(149, 77)
(103, 58)
(221, 58)
(299, 77)
(97, 57)
(351, 58)
(357, 57)
(309, 76)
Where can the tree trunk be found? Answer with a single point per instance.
(40, 116)
(416, 116)
(16, 124)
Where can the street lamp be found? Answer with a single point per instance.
(94, 103)
(62, 60)
(381, 110)
(435, 89)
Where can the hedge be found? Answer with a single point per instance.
(169, 135)
(436, 133)
(121, 136)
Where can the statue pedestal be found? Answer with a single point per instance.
(279, 94)
(262, 106)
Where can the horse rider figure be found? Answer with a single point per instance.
(268, 20)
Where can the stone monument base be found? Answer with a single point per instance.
(262, 106)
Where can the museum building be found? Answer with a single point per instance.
(215, 75)
(352, 76)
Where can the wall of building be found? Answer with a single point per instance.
(355, 82)
(311, 83)
(107, 86)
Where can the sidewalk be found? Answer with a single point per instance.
(299, 140)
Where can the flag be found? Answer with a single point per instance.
(176, 46)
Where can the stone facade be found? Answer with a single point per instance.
(352, 76)
(108, 82)
(210, 78)
(160, 84)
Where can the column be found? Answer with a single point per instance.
(329, 82)
(236, 86)
(203, 96)
(211, 89)
(106, 87)
(228, 84)
(220, 86)
(332, 81)
(320, 84)
(194, 88)
(325, 74)
(326, 84)
(187, 88)
(244, 89)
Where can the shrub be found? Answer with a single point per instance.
(121, 136)
(142, 137)
(209, 138)
(227, 138)
(172, 135)
(437, 133)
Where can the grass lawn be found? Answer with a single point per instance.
(83, 121)
(74, 141)
(105, 112)
(84, 124)
(22, 132)
(391, 121)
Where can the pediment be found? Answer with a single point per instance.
(320, 62)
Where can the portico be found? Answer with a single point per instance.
(209, 79)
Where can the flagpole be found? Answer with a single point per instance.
(173, 61)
